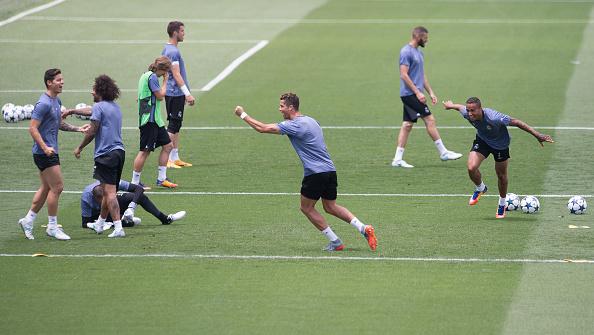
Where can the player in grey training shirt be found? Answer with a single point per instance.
(492, 137)
(319, 179)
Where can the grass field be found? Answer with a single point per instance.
(245, 260)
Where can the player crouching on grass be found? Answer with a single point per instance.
(492, 137)
(319, 179)
(92, 196)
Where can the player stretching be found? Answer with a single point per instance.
(178, 92)
(492, 137)
(320, 179)
(46, 119)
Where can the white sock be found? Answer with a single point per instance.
(136, 177)
(52, 222)
(174, 154)
(117, 224)
(329, 234)
(162, 173)
(100, 220)
(399, 154)
(501, 201)
(358, 224)
(31, 215)
(440, 147)
(132, 205)
(480, 187)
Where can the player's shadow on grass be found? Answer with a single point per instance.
(519, 219)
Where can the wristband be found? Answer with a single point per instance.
(243, 115)
(185, 90)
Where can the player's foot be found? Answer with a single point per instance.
(144, 187)
(136, 220)
(98, 228)
(172, 165)
(476, 196)
(181, 163)
(500, 212)
(106, 226)
(334, 246)
(129, 214)
(166, 183)
(450, 156)
(117, 233)
(57, 233)
(369, 234)
(401, 163)
(27, 228)
(175, 217)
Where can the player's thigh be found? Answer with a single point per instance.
(52, 177)
(475, 159)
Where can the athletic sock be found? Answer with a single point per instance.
(480, 187)
(174, 155)
(117, 224)
(440, 147)
(31, 215)
(358, 224)
(52, 222)
(501, 201)
(132, 205)
(136, 177)
(399, 154)
(162, 173)
(329, 234)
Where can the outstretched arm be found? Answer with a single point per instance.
(525, 127)
(89, 136)
(85, 111)
(450, 105)
(269, 128)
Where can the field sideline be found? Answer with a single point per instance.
(245, 260)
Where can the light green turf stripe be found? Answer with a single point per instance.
(562, 302)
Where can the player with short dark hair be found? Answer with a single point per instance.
(46, 120)
(320, 180)
(492, 137)
(178, 91)
(413, 81)
(109, 156)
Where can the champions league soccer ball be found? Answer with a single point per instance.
(19, 113)
(512, 202)
(8, 113)
(530, 204)
(577, 205)
(28, 110)
(79, 106)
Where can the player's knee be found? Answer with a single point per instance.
(57, 188)
(407, 126)
(174, 126)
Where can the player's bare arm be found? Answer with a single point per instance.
(429, 90)
(69, 127)
(180, 83)
(89, 136)
(525, 127)
(85, 111)
(404, 76)
(34, 131)
(268, 128)
(448, 104)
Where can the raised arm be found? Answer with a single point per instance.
(525, 127)
(85, 111)
(450, 105)
(268, 128)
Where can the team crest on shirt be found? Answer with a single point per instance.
(489, 127)
(476, 146)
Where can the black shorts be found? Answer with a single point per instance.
(320, 185)
(43, 161)
(152, 136)
(175, 112)
(108, 167)
(413, 108)
(484, 149)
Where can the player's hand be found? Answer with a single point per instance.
(238, 110)
(77, 151)
(49, 151)
(544, 138)
(84, 128)
(421, 97)
(190, 100)
(67, 112)
(433, 99)
(448, 104)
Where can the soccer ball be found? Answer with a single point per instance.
(512, 202)
(79, 106)
(18, 112)
(530, 204)
(577, 205)
(28, 110)
(8, 113)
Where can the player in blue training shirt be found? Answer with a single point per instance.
(106, 129)
(178, 91)
(46, 120)
(492, 137)
(413, 82)
(319, 179)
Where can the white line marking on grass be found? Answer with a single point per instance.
(316, 21)
(21, 41)
(323, 127)
(317, 258)
(30, 11)
(387, 195)
(227, 71)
